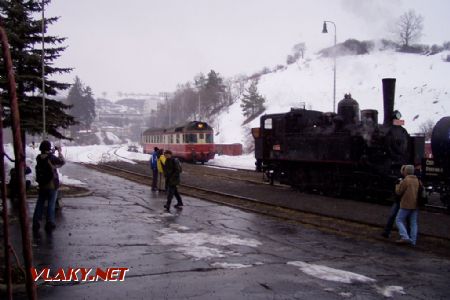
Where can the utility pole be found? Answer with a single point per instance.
(44, 131)
(325, 30)
(199, 107)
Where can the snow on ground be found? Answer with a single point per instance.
(245, 161)
(95, 154)
(422, 89)
(330, 274)
(337, 275)
(202, 245)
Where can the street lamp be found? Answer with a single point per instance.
(44, 132)
(324, 30)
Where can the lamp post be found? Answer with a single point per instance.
(324, 30)
(44, 132)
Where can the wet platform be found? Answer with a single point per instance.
(210, 251)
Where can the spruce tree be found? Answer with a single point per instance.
(252, 102)
(24, 33)
(214, 92)
(83, 104)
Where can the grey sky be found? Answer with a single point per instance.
(148, 46)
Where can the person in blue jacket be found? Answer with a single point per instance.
(154, 166)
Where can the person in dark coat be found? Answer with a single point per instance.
(154, 166)
(48, 191)
(172, 174)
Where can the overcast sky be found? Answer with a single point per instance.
(149, 46)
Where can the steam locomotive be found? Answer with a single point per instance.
(346, 152)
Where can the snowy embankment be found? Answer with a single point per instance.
(422, 89)
(102, 153)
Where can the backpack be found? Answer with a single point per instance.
(44, 171)
(178, 166)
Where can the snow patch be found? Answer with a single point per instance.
(330, 274)
(230, 265)
(198, 245)
(246, 161)
(389, 291)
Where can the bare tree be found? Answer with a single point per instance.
(298, 52)
(409, 28)
(426, 128)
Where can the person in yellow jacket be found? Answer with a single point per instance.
(160, 165)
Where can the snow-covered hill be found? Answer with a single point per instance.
(422, 89)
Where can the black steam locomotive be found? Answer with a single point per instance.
(346, 152)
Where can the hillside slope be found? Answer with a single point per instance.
(422, 89)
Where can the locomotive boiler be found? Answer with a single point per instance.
(337, 153)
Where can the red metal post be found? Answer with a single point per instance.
(19, 165)
(5, 213)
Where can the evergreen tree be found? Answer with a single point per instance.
(25, 40)
(90, 106)
(214, 92)
(83, 104)
(252, 102)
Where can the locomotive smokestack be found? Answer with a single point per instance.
(388, 100)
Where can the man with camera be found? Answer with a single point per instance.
(47, 178)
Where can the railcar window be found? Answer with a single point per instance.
(178, 138)
(209, 138)
(201, 136)
(191, 138)
(268, 124)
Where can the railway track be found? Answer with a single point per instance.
(340, 226)
(225, 172)
(257, 178)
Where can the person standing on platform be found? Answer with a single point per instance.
(172, 170)
(394, 210)
(48, 180)
(154, 166)
(161, 179)
(408, 190)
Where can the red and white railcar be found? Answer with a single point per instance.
(193, 141)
